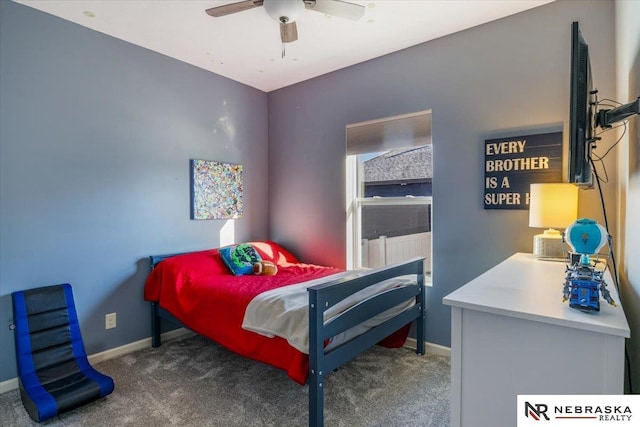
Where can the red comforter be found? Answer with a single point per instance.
(198, 289)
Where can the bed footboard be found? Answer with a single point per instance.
(324, 296)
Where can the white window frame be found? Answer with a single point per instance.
(354, 214)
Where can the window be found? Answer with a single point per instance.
(389, 181)
(389, 206)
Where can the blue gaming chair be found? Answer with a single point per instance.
(54, 373)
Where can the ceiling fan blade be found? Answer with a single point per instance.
(341, 9)
(288, 32)
(228, 9)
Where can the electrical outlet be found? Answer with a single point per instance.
(110, 321)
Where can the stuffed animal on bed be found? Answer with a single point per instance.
(265, 268)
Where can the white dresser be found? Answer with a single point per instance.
(512, 334)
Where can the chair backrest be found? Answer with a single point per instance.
(48, 338)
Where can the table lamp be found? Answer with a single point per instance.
(551, 206)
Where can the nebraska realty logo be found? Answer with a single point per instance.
(578, 410)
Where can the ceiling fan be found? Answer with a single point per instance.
(287, 11)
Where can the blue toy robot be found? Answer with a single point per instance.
(584, 281)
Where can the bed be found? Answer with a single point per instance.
(327, 316)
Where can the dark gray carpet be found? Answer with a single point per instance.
(194, 382)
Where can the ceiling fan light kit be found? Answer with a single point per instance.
(284, 9)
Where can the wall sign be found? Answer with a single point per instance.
(512, 164)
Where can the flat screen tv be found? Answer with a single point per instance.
(584, 115)
(581, 111)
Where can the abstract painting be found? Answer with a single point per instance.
(216, 190)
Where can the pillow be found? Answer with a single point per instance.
(240, 258)
(271, 251)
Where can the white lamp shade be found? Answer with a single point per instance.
(553, 205)
(288, 8)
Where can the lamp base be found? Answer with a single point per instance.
(548, 245)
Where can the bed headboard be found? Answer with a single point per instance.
(155, 259)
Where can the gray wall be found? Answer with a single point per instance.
(628, 88)
(509, 77)
(95, 140)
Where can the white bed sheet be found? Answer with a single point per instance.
(284, 312)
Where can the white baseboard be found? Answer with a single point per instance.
(179, 333)
(8, 385)
(429, 347)
(138, 345)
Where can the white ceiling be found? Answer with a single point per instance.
(246, 46)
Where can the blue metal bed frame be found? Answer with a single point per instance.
(324, 296)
